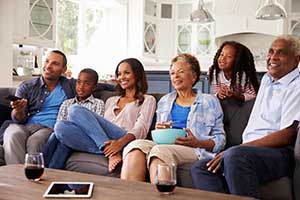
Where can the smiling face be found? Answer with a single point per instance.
(226, 58)
(182, 76)
(53, 67)
(85, 85)
(125, 77)
(281, 60)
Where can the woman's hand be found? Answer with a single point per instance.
(112, 147)
(215, 164)
(190, 140)
(162, 125)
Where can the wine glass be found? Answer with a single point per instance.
(34, 166)
(164, 119)
(166, 178)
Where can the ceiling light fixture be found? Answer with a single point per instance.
(201, 15)
(271, 10)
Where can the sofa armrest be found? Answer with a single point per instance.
(297, 168)
(3, 93)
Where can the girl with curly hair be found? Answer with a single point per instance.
(233, 72)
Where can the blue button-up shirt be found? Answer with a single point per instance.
(35, 91)
(276, 107)
(205, 120)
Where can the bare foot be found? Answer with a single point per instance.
(113, 161)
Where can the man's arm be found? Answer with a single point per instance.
(279, 138)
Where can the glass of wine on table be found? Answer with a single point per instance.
(34, 166)
(166, 178)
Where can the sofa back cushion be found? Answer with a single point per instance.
(104, 94)
(236, 115)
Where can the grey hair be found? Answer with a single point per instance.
(292, 41)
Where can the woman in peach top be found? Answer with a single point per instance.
(127, 117)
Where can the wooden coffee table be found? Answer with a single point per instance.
(14, 185)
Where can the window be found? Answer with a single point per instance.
(78, 23)
(67, 29)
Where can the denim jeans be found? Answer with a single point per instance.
(55, 153)
(86, 131)
(245, 168)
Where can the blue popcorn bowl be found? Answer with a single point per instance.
(167, 136)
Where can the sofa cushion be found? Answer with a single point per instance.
(2, 161)
(104, 94)
(183, 176)
(5, 113)
(236, 115)
(91, 163)
(278, 189)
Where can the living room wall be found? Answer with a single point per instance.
(6, 15)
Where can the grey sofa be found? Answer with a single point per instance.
(235, 119)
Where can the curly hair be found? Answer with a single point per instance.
(243, 63)
(141, 86)
(193, 63)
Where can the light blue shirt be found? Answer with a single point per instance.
(47, 115)
(205, 120)
(276, 107)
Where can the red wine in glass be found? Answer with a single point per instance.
(34, 172)
(165, 187)
(166, 178)
(34, 166)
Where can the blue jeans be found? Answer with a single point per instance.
(245, 168)
(55, 153)
(86, 131)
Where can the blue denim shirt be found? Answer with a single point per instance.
(205, 120)
(35, 91)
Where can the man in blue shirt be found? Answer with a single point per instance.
(266, 153)
(35, 114)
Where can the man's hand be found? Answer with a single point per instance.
(215, 164)
(18, 107)
(190, 140)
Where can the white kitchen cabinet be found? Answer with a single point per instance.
(34, 22)
(294, 18)
(151, 29)
(295, 27)
(193, 38)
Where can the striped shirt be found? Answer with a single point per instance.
(248, 91)
(91, 103)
